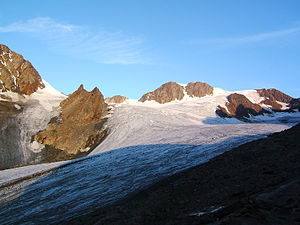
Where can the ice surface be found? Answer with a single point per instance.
(189, 121)
(78, 187)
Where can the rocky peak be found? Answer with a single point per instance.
(239, 106)
(80, 124)
(84, 105)
(272, 97)
(198, 89)
(116, 99)
(173, 91)
(166, 93)
(17, 74)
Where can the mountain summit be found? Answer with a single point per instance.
(173, 91)
(17, 74)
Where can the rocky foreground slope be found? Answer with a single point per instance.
(256, 183)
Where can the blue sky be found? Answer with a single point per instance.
(130, 47)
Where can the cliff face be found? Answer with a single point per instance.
(116, 99)
(17, 74)
(78, 128)
(239, 106)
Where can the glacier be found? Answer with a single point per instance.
(146, 142)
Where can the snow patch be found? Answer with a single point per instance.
(36, 147)
(252, 95)
(17, 106)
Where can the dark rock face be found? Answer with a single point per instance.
(166, 93)
(116, 99)
(199, 89)
(272, 96)
(17, 74)
(240, 107)
(295, 104)
(173, 91)
(79, 126)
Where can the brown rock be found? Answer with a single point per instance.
(198, 89)
(80, 124)
(116, 99)
(272, 97)
(239, 106)
(166, 93)
(17, 74)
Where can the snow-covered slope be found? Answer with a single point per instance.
(188, 121)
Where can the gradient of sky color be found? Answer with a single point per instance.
(130, 47)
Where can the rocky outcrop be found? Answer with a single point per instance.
(116, 99)
(79, 128)
(172, 91)
(198, 89)
(17, 74)
(166, 93)
(272, 97)
(240, 107)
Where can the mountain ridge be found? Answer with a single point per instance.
(57, 127)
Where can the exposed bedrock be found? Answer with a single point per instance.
(17, 74)
(78, 129)
(239, 106)
(116, 99)
(172, 91)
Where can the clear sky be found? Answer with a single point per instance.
(130, 47)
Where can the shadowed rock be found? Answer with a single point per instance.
(17, 74)
(240, 107)
(295, 104)
(78, 128)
